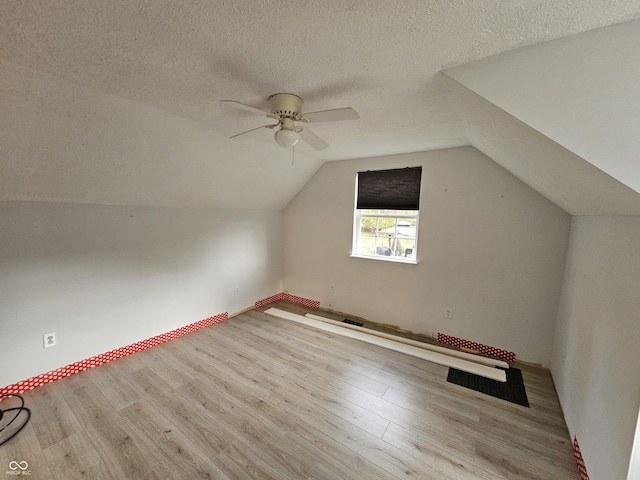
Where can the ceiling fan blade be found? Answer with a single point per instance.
(254, 129)
(334, 115)
(244, 106)
(313, 140)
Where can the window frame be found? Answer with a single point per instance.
(359, 214)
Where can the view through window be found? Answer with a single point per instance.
(387, 233)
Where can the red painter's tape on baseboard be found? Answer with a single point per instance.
(266, 301)
(579, 460)
(493, 352)
(288, 298)
(38, 380)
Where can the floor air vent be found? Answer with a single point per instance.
(352, 322)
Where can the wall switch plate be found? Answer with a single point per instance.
(49, 340)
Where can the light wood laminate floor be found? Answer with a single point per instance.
(264, 398)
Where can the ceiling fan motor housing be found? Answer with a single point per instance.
(286, 105)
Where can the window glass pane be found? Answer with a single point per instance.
(386, 224)
(406, 247)
(367, 245)
(368, 225)
(387, 236)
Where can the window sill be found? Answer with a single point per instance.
(382, 258)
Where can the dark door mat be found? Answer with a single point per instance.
(352, 322)
(512, 390)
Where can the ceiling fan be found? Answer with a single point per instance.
(286, 108)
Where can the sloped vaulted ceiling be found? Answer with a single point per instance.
(563, 116)
(118, 102)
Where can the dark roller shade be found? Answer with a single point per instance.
(397, 189)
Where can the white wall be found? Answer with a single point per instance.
(599, 332)
(106, 276)
(490, 247)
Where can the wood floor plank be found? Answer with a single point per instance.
(245, 417)
(109, 436)
(525, 428)
(514, 466)
(178, 456)
(184, 412)
(333, 456)
(338, 405)
(115, 384)
(269, 348)
(161, 360)
(261, 397)
(391, 460)
(447, 405)
(326, 344)
(239, 463)
(426, 416)
(454, 454)
(277, 451)
(74, 457)
(346, 376)
(224, 375)
(321, 472)
(25, 448)
(52, 419)
(530, 459)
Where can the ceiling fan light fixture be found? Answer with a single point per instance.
(286, 138)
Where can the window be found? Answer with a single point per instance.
(386, 216)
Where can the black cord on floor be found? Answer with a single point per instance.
(18, 411)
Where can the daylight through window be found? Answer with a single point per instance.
(386, 216)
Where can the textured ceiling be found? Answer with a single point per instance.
(118, 102)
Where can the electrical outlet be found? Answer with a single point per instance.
(448, 313)
(49, 340)
(236, 291)
(332, 288)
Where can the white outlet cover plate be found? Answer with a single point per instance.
(49, 339)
